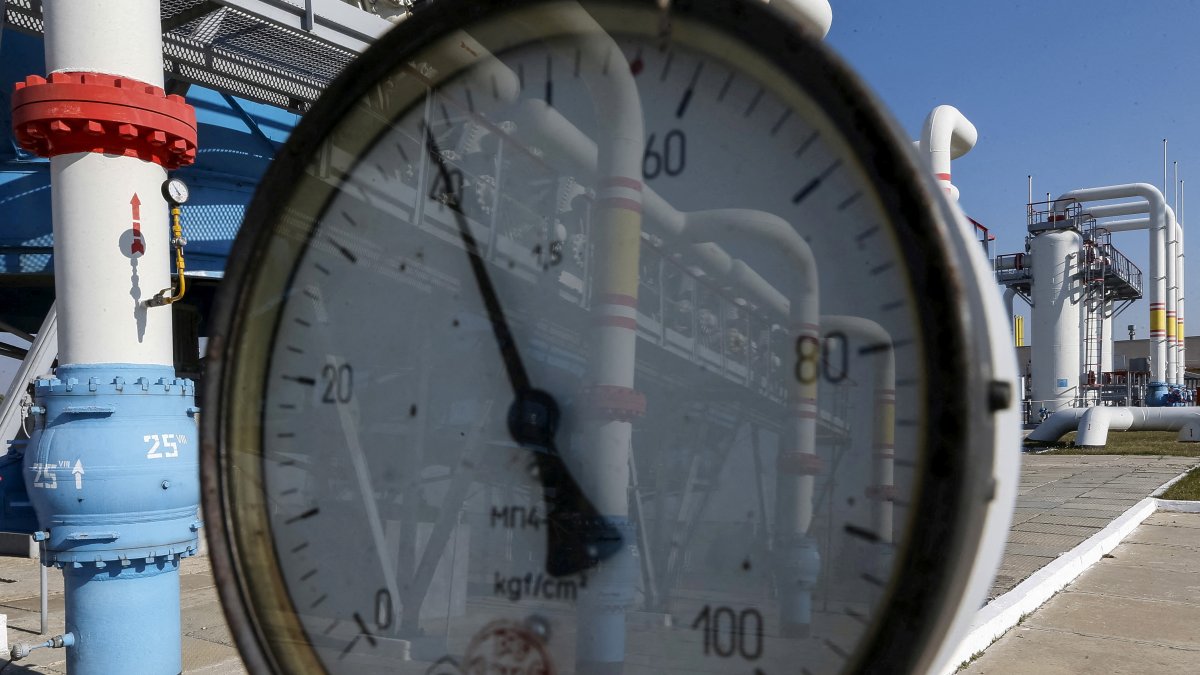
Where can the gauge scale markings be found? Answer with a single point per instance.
(380, 452)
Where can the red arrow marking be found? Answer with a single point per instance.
(137, 246)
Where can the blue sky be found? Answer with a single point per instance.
(1078, 93)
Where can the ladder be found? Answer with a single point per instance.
(1097, 251)
(38, 360)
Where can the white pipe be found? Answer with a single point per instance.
(816, 15)
(883, 429)
(1158, 288)
(1175, 273)
(946, 135)
(1093, 423)
(1010, 295)
(102, 316)
(118, 37)
(1056, 317)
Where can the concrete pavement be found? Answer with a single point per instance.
(1062, 501)
(1136, 611)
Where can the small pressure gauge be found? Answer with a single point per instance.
(598, 337)
(175, 191)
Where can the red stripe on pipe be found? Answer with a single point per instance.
(942, 176)
(617, 299)
(619, 203)
(620, 181)
(616, 322)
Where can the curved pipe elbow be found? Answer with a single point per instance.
(1056, 426)
(947, 131)
(816, 15)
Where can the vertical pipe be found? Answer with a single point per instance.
(1010, 295)
(610, 401)
(43, 590)
(111, 241)
(103, 319)
(1056, 310)
(1172, 295)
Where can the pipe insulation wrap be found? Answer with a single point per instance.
(94, 199)
(1159, 215)
(116, 37)
(1056, 318)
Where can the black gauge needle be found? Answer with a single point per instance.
(577, 537)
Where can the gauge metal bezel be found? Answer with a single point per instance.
(945, 526)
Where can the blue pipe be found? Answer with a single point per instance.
(603, 601)
(112, 470)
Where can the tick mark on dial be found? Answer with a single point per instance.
(854, 614)
(285, 434)
(549, 84)
(318, 601)
(807, 143)
(330, 627)
(363, 627)
(893, 305)
(861, 533)
(287, 406)
(782, 118)
(754, 102)
(300, 547)
(725, 87)
(347, 253)
(349, 646)
(300, 379)
(470, 101)
(836, 649)
(321, 268)
(687, 95)
(873, 580)
(815, 182)
(349, 219)
(308, 575)
(307, 514)
(866, 234)
(288, 492)
(302, 322)
(294, 349)
(666, 67)
(400, 149)
(880, 269)
(875, 348)
(845, 203)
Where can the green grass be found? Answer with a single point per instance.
(1157, 443)
(1188, 487)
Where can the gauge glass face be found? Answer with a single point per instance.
(177, 191)
(717, 306)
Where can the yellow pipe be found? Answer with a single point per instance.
(177, 240)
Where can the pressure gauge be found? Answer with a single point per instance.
(604, 337)
(175, 191)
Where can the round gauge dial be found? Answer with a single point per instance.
(175, 191)
(592, 338)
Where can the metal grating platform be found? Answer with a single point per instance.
(278, 52)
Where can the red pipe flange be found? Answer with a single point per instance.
(799, 463)
(612, 403)
(94, 112)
